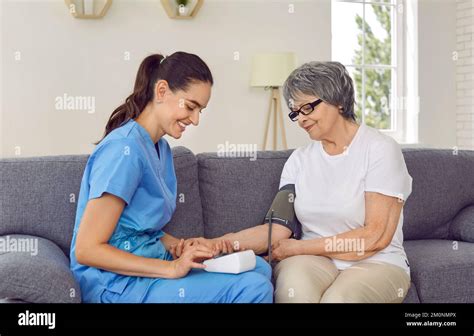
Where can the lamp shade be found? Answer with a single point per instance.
(272, 69)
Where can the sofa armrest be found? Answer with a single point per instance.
(462, 226)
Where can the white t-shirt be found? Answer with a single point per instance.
(329, 189)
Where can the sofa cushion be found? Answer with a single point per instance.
(39, 195)
(187, 220)
(34, 269)
(442, 270)
(236, 192)
(462, 226)
(443, 184)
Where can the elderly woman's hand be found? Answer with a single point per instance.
(216, 246)
(285, 248)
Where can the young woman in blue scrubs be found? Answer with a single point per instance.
(119, 252)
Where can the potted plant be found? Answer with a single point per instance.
(183, 8)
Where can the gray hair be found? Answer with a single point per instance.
(329, 81)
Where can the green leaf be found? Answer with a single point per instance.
(377, 82)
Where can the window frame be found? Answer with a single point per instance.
(397, 102)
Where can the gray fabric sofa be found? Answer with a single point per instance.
(217, 195)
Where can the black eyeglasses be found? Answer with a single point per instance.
(305, 109)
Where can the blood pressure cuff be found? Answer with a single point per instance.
(284, 210)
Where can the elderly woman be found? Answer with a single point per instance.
(350, 183)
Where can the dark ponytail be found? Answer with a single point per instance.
(179, 70)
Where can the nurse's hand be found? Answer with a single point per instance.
(191, 258)
(177, 249)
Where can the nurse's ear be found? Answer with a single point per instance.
(161, 88)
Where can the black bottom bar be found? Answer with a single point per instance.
(419, 319)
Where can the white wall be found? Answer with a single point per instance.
(60, 54)
(465, 73)
(437, 71)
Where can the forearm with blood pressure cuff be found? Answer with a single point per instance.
(282, 210)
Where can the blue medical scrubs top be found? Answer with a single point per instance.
(127, 164)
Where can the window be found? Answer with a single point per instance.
(367, 37)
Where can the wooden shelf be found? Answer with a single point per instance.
(78, 6)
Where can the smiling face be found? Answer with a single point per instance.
(321, 121)
(181, 108)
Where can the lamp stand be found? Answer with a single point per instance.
(275, 109)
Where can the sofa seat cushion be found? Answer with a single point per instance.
(442, 270)
(412, 295)
(34, 269)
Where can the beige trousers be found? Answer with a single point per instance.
(316, 279)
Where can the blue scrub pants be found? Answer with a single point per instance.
(200, 286)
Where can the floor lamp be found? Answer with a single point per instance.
(270, 71)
